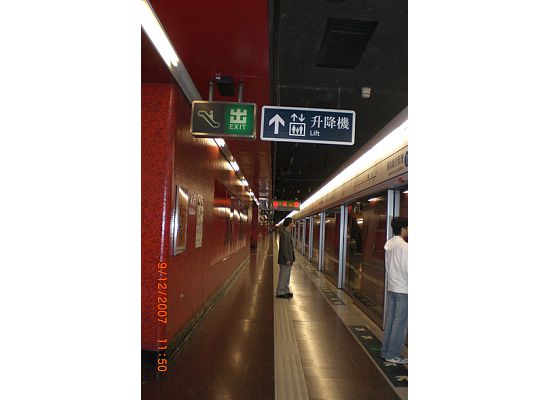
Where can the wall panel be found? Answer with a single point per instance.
(198, 166)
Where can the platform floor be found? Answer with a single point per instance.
(254, 346)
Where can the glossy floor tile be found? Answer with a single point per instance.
(230, 354)
(334, 364)
(252, 346)
(335, 334)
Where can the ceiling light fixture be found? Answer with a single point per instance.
(154, 30)
(366, 92)
(397, 138)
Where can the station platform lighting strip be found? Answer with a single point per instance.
(156, 33)
(371, 157)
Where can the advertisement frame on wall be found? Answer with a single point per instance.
(181, 216)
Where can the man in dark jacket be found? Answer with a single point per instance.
(286, 259)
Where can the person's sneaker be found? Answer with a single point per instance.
(397, 360)
(289, 294)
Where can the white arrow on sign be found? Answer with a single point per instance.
(276, 120)
(402, 378)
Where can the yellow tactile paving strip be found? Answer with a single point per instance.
(349, 314)
(290, 383)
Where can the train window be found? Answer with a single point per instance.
(404, 203)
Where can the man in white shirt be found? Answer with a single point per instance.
(395, 328)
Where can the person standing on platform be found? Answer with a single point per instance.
(286, 259)
(395, 328)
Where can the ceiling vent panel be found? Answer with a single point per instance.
(344, 42)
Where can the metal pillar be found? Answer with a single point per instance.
(343, 246)
(310, 255)
(322, 243)
(390, 213)
(210, 91)
(303, 241)
(240, 97)
(396, 202)
(389, 234)
(297, 236)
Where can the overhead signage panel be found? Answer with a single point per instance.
(308, 125)
(263, 204)
(285, 205)
(268, 214)
(223, 119)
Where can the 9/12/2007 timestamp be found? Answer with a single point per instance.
(162, 314)
(162, 296)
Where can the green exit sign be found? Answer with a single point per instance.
(223, 119)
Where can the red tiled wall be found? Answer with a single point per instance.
(197, 273)
(158, 124)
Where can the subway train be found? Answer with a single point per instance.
(342, 228)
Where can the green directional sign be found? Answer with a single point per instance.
(223, 119)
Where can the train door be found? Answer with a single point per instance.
(331, 250)
(316, 222)
(304, 235)
(307, 246)
(398, 207)
(298, 235)
(310, 252)
(365, 239)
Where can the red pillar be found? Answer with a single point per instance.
(158, 127)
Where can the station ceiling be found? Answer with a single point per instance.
(306, 53)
